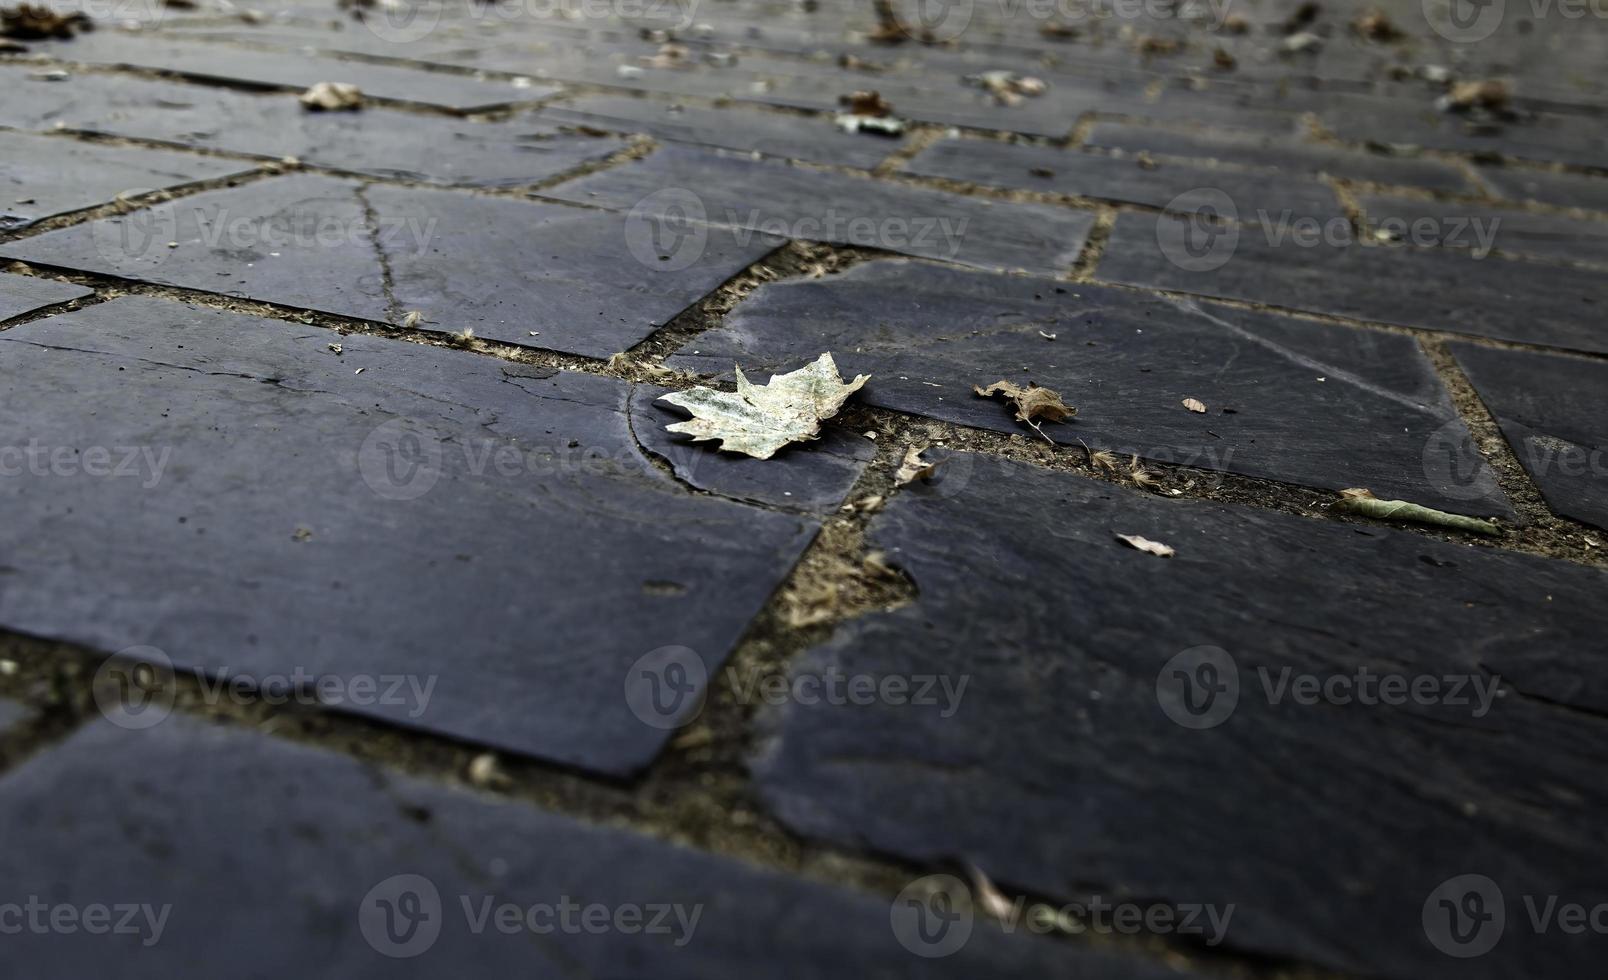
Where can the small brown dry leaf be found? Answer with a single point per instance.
(889, 29)
(914, 468)
(669, 56)
(333, 97)
(1195, 405)
(1007, 87)
(1060, 32)
(31, 22)
(758, 420)
(1032, 403)
(1152, 46)
(1224, 61)
(1236, 24)
(865, 103)
(1146, 545)
(1374, 25)
(1491, 94)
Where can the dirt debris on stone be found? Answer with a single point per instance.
(35, 22)
(913, 467)
(1375, 25)
(758, 420)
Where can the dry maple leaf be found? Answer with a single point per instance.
(332, 97)
(1032, 403)
(1146, 545)
(913, 467)
(760, 419)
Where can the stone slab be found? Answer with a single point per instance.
(1076, 761)
(1477, 228)
(489, 529)
(1286, 399)
(1559, 189)
(21, 295)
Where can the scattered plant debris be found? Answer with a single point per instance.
(34, 22)
(333, 97)
(1491, 95)
(1151, 46)
(1358, 500)
(1302, 42)
(485, 773)
(1060, 32)
(913, 467)
(1007, 87)
(1146, 545)
(1141, 477)
(1032, 403)
(1303, 17)
(876, 125)
(1375, 25)
(1236, 24)
(758, 420)
(1195, 405)
(866, 104)
(989, 897)
(1224, 61)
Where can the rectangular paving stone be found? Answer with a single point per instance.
(289, 69)
(1124, 180)
(300, 861)
(1084, 755)
(377, 142)
(1414, 287)
(1563, 190)
(1479, 228)
(1551, 410)
(1541, 136)
(773, 134)
(1280, 152)
(21, 295)
(524, 551)
(501, 267)
(44, 176)
(1286, 399)
(812, 205)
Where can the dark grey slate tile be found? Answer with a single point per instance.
(791, 202)
(494, 534)
(1120, 179)
(379, 142)
(43, 176)
(1080, 758)
(1563, 190)
(21, 295)
(1414, 287)
(813, 477)
(1286, 399)
(592, 282)
(1551, 410)
(773, 134)
(1281, 152)
(502, 267)
(1478, 228)
(1541, 136)
(301, 240)
(299, 861)
(293, 69)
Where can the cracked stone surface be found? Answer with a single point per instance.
(318, 841)
(776, 197)
(497, 266)
(1549, 408)
(1280, 152)
(21, 295)
(1286, 399)
(42, 177)
(378, 142)
(247, 66)
(1059, 768)
(1124, 180)
(772, 134)
(1416, 287)
(293, 499)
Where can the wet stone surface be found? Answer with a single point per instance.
(291, 497)
(401, 877)
(1286, 399)
(1140, 726)
(1550, 409)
